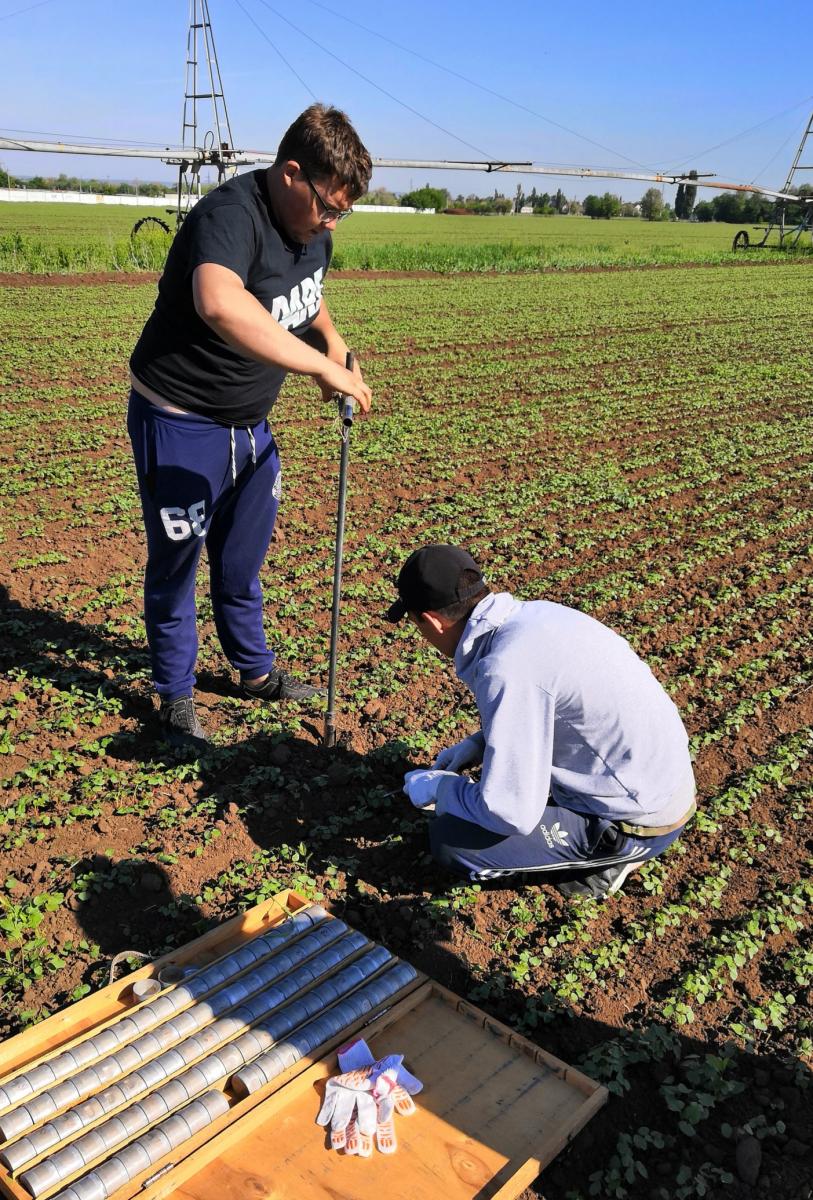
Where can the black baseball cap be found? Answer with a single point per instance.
(430, 580)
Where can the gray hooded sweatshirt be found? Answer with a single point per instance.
(568, 709)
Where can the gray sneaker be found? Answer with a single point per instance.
(180, 724)
(279, 685)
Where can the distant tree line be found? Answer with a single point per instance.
(748, 208)
(72, 183)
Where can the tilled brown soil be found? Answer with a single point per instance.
(162, 870)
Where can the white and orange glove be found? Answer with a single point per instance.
(360, 1104)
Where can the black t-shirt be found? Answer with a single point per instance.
(178, 355)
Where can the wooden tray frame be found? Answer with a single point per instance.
(103, 1007)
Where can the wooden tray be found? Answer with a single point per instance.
(495, 1109)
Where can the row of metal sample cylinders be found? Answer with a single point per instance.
(272, 1001)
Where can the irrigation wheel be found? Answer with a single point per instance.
(741, 240)
(149, 222)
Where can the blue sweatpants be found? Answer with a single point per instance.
(203, 482)
(565, 843)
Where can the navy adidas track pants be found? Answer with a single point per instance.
(565, 843)
(201, 482)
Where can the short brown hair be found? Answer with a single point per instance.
(326, 145)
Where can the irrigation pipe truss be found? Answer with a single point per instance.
(233, 158)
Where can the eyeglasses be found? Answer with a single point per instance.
(329, 214)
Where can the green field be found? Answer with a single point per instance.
(75, 237)
(638, 444)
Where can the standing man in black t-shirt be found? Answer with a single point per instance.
(239, 306)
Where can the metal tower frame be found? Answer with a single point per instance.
(788, 235)
(217, 145)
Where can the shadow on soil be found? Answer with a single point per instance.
(368, 850)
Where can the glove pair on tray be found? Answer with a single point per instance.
(360, 1104)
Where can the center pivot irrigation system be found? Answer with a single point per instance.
(215, 149)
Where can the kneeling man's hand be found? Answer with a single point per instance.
(464, 754)
(422, 786)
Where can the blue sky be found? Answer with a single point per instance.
(657, 84)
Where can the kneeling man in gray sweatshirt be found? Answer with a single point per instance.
(585, 768)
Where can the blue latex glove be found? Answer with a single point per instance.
(422, 786)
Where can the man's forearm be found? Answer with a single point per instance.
(323, 335)
(244, 324)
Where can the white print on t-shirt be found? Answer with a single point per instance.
(302, 303)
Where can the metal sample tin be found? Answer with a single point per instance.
(105, 1069)
(230, 995)
(210, 1069)
(115, 1130)
(163, 1035)
(38, 1179)
(89, 1187)
(112, 1175)
(247, 1081)
(208, 1038)
(82, 1053)
(176, 1131)
(245, 957)
(91, 1146)
(142, 989)
(127, 1058)
(188, 1051)
(156, 1144)
(90, 1109)
(143, 1020)
(229, 1026)
(41, 1076)
(289, 1054)
(295, 1012)
(216, 1004)
(215, 975)
(128, 1087)
(106, 1040)
(15, 1090)
(170, 1062)
(194, 1081)
(151, 1073)
(18, 1154)
(179, 997)
(196, 988)
(271, 1065)
(227, 1059)
(215, 1104)
(184, 1023)
(174, 1093)
(16, 1122)
(134, 1158)
(133, 1119)
(37, 1109)
(65, 1093)
(148, 1045)
(250, 1044)
(87, 1080)
(154, 1106)
(172, 973)
(67, 1161)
